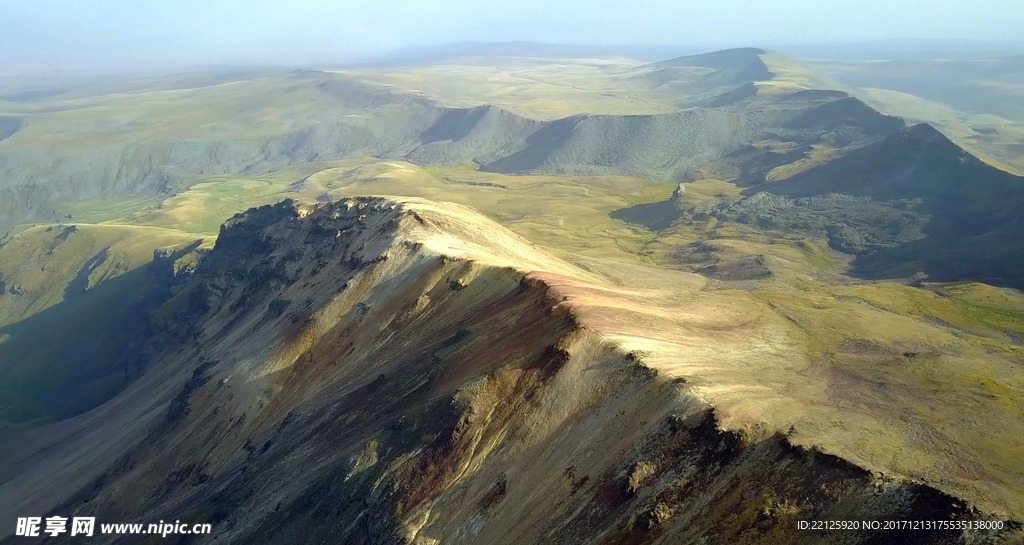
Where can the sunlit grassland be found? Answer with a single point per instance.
(72, 290)
(44, 260)
(543, 90)
(252, 108)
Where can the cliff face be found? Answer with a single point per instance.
(382, 371)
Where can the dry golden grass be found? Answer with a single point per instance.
(545, 89)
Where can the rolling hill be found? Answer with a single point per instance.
(694, 300)
(102, 147)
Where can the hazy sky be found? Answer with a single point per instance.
(63, 34)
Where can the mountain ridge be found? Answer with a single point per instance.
(479, 316)
(365, 118)
(901, 205)
(289, 349)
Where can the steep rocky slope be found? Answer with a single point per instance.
(402, 371)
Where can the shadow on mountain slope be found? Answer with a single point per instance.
(9, 126)
(728, 68)
(87, 348)
(348, 383)
(539, 147)
(911, 205)
(942, 211)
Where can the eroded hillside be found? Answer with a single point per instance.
(693, 301)
(403, 371)
(58, 151)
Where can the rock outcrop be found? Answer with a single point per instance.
(401, 371)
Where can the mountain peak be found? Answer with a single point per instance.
(923, 130)
(728, 68)
(913, 141)
(720, 60)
